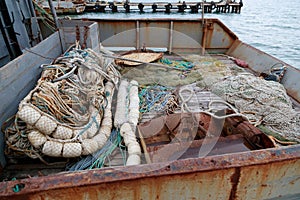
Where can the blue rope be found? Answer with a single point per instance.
(154, 98)
(97, 159)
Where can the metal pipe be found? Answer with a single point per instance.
(204, 29)
(171, 37)
(53, 12)
(31, 7)
(137, 35)
(204, 39)
(9, 32)
(144, 146)
(202, 13)
(6, 40)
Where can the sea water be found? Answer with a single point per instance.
(269, 25)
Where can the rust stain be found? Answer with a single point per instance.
(159, 179)
(235, 178)
(209, 35)
(295, 94)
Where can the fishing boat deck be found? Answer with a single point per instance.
(188, 158)
(199, 100)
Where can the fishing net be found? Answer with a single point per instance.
(263, 102)
(69, 108)
(174, 74)
(203, 70)
(213, 69)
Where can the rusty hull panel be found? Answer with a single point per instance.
(258, 174)
(217, 37)
(112, 34)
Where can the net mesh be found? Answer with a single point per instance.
(264, 102)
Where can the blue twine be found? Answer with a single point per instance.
(97, 159)
(154, 98)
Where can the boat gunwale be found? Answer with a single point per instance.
(206, 20)
(126, 173)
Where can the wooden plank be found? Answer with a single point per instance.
(147, 157)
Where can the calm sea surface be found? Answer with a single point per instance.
(269, 25)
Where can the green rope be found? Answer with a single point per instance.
(16, 188)
(181, 65)
(99, 163)
(97, 159)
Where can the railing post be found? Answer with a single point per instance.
(171, 37)
(137, 35)
(53, 12)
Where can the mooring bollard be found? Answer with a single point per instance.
(113, 7)
(127, 7)
(99, 8)
(154, 7)
(182, 7)
(194, 9)
(141, 7)
(168, 7)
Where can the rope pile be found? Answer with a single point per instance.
(263, 102)
(157, 98)
(68, 113)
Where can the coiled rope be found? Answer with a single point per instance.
(62, 115)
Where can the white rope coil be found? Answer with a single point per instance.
(65, 110)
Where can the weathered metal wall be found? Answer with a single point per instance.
(4, 55)
(20, 75)
(262, 174)
(174, 35)
(20, 12)
(87, 32)
(21, 17)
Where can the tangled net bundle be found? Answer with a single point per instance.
(157, 98)
(263, 102)
(68, 113)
